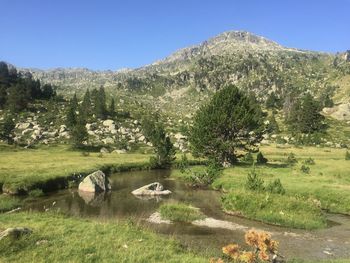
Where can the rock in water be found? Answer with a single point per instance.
(95, 182)
(151, 189)
(15, 232)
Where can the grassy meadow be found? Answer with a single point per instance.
(57, 238)
(27, 169)
(325, 186)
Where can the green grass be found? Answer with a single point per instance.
(327, 184)
(275, 209)
(27, 169)
(180, 212)
(8, 203)
(51, 167)
(78, 240)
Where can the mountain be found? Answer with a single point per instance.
(251, 62)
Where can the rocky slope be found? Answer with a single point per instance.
(189, 75)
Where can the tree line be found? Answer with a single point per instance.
(17, 90)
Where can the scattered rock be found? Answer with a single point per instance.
(23, 126)
(157, 219)
(95, 182)
(104, 150)
(215, 223)
(151, 189)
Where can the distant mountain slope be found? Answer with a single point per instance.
(252, 62)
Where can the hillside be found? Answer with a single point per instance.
(179, 83)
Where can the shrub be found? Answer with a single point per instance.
(305, 169)
(85, 154)
(36, 193)
(276, 187)
(206, 177)
(262, 249)
(183, 164)
(291, 159)
(260, 159)
(254, 182)
(347, 156)
(309, 161)
(248, 158)
(180, 212)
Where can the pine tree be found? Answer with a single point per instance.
(85, 109)
(3, 95)
(79, 134)
(154, 131)
(305, 116)
(71, 117)
(272, 127)
(18, 97)
(232, 121)
(7, 129)
(112, 108)
(100, 104)
(74, 102)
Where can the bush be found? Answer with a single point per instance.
(36, 193)
(8, 203)
(206, 177)
(347, 156)
(254, 182)
(276, 187)
(248, 158)
(180, 212)
(305, 169)
(183, 164)
(260, 159)
(291, 159)
(309, 161)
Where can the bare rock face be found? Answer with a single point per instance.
(95, 182)
(340, 112)
(15, 232)
(151, 189)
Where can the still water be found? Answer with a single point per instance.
(330, 243)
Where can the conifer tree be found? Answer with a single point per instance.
(305, 116)
(7, 129)
(231, 122)
(111, 109)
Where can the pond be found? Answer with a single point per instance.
(330, 243)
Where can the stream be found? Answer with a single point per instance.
(330, 243)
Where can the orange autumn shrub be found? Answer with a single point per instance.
(263, 249)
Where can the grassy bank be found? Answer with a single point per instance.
(327, 183)
(56, 238)
(50, 167)
(325, 186)
(8, 203)
(277, 209)
(180, 212)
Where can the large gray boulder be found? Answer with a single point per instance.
(95, 182)
(151, 189)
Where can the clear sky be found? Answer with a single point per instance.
(102, 34)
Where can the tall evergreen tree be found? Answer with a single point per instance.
(230, 124)
(7, 129)
(154, 131)
(305, 115)
(71, 117)
(100, 104)
(111, 109)
(85, 109)
(18, 97)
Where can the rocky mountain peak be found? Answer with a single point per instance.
(224, 43)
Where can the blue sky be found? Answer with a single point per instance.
(101, 34)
